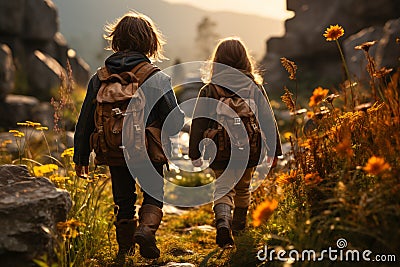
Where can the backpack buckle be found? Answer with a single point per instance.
(116, 112)
(237, 121)
(137, 127)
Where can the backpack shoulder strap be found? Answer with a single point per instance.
(143, 70)
(216, 91)
(103, 73)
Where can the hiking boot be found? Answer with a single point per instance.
(149, 220)
(239, 220)
(223, 220)
(125, 229)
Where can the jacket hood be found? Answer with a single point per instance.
(232, 79)
(124, 61)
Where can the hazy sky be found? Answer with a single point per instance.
(265, 8)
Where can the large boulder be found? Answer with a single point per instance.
(40, 20)
(318, 61)
(385, 52)
(28, 205)
(80, 69)
(44, 75)
(11, 16)
(16, 108)
(7, 71)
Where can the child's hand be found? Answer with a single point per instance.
(197, 163)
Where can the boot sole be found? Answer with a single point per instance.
(224, 237)
(147, 248)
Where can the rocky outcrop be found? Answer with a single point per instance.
(386, 52)
(318, 61)
(28, 206)
(7, 71)
(34, 58)
(40, 65)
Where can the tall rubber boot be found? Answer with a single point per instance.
(149, 220)
(125, 230)
(239, 220)
(223, 221)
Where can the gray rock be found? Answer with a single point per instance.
(44, 75)
(57, 49)
(318, 61)
(385, 52)
(16, 108)
(11, 16)
(43, 113)
(27, 205)
(388, 52)
(357, 63)
(80, 69)
(40, 20)
(7, 71)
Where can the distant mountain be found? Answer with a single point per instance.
(82, 23)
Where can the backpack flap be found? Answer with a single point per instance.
(238, 126)
(118, 87)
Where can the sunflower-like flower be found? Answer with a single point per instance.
(286, 178)
(376, 165)
(319, 94)
(334, 32)
(264, 211)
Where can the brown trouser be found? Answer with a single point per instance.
(237, 195)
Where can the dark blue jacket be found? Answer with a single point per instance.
(160, 102)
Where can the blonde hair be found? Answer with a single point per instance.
(135, 32)
(231, 51)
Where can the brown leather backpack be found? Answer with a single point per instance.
(235, 113)
(121, 102)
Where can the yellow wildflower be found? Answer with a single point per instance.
(376, 165)
(44, 169)
(17, 133)
(334, 32)
(286, 178)
(69, 152)
(42, 128)
(33, 124)
(319, 94)
(264, 211)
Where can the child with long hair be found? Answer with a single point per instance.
(231, 69)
